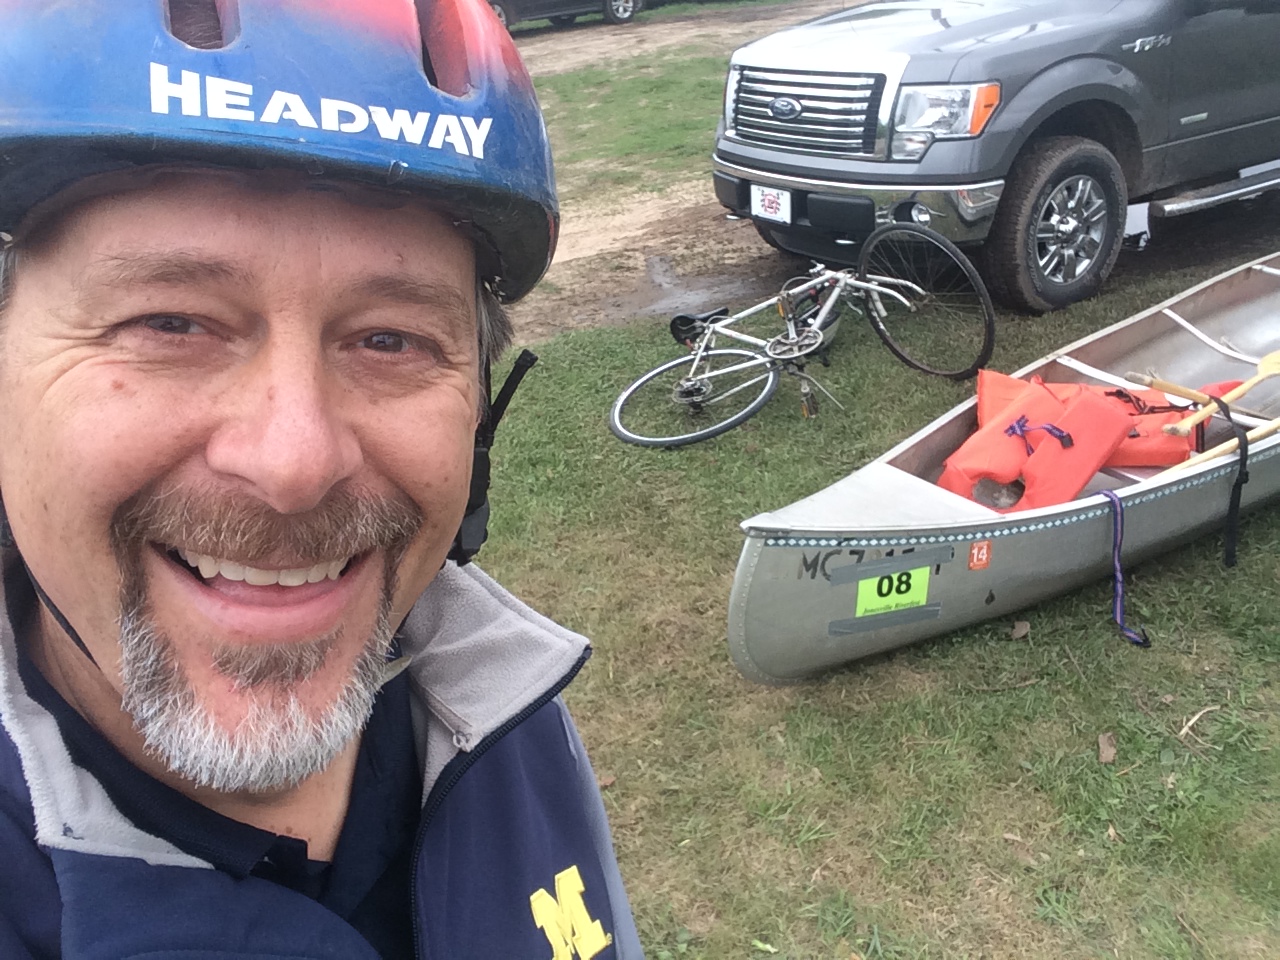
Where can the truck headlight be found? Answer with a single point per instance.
(731, 94)
(936, 112)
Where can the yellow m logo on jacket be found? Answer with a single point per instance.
(565, 920)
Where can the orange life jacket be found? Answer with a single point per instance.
(1145, 445)
(1053, 446)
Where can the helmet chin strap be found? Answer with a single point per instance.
(475, 522)
(471, 534)
(7, 542)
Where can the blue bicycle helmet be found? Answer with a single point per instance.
(423, 96)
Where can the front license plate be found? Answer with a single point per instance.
(771, 203)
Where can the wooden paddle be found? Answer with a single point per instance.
(1228, 446)
(1268, 367)
(1186, 393)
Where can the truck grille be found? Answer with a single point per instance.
(838, 110)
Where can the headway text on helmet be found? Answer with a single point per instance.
(222, 99)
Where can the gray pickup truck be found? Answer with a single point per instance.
(1025, 125)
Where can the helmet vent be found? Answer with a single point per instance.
(205, 24)
(427, 67)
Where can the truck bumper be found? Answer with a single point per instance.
(828, 214)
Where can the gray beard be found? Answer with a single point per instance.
(278, 744)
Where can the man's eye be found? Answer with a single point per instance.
(386, 342)
(168, 323)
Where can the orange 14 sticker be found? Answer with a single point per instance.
(980, 555)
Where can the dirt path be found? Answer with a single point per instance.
(652, 253)
(558, 50)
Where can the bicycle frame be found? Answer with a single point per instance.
(842, 280)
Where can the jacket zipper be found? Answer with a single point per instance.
(438, 793)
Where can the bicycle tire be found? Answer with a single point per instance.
(950, 311)
(660, 417)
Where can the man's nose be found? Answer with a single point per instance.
(283, 432)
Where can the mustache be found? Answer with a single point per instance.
(349, 521)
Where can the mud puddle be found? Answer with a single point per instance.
(663, 292)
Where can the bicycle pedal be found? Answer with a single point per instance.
(808, 401)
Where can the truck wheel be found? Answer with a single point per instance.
(501, 11)
(1057, 231)
(621, 11)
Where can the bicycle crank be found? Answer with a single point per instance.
(787, 347)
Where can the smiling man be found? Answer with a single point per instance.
(255, 703)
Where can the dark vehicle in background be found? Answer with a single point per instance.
(1026, 126)
(564, 12)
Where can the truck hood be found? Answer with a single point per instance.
(934, 33)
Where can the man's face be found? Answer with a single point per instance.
(241, 421)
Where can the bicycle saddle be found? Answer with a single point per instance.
(687, 327)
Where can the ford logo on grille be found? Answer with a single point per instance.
(785, 108)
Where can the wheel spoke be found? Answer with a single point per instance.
(1051, 261)
(1096, 211)
(1089, 246)
(1070, 264)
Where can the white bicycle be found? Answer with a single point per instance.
(921, 295)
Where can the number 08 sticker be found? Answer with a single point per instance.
(893, 591)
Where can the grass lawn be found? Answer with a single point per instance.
(945, 801)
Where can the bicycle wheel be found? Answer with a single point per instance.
(678, 403)
(944, 323)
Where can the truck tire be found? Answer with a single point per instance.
(621, 11)
(1059, 226)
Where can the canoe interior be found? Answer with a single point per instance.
(1240, 311)
(1236, 312)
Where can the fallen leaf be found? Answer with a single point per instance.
(764, 947)
(1113, 835)
(1192, 722)
(1021, 628)
(606, 782)
(1013, 838)
(1167, 698)
(1106, 748)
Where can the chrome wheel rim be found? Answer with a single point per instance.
(622, 8)
(1070, 229)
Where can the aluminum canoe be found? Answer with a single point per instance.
(884, 557)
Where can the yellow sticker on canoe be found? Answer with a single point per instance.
(893, 591)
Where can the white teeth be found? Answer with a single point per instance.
(232, 571)
(260, 578)
(293, 578)
(210, 567)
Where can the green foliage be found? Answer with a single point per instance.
(633, 125)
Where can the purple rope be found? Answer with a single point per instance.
(1138, 638)
(1020, 428)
